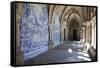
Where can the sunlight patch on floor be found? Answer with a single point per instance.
(85, 58)
(70, 50)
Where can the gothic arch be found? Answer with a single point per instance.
(70, 16)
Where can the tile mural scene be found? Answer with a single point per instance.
(34, 28)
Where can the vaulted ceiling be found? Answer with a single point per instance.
(66, 13)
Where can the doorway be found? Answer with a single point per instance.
(74, 35)
(74, 31)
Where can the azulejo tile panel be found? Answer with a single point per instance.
(33, 27)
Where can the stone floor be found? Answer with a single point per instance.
(67, 52)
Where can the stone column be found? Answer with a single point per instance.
(86, 34)
(87, 31)
(51, 43)
(83, 33)
(66, 33)
(92, 26)
(19, 53)
(95, 36)
(62, 33)
(89, 34)
(95, 32)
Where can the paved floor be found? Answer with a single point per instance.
(67, 52)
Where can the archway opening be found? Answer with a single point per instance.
(74, 31)
(75, 35)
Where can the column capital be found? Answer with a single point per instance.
(85, 24)
(82, 28)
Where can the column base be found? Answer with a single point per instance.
(19, 57)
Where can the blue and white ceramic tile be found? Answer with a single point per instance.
(56, 30)
(34, 28)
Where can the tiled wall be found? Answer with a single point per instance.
(34, 29)
(56, 30)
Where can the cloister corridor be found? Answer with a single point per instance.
(55, 33)
(67, 52)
